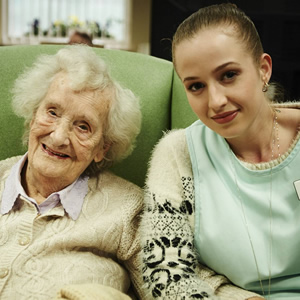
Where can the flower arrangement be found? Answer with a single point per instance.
(60, 28)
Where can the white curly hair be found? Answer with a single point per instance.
(86, 71)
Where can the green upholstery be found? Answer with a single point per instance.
(163, 101)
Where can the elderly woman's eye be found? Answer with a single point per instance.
(52, 112)
(83, 127)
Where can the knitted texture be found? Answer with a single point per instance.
(42, 253)
(170, 266)
(89, 292)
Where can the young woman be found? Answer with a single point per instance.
(223, 209)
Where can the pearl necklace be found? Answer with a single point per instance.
(275, 144)
(275, 135)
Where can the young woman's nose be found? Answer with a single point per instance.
(216, 98)
(60, 134)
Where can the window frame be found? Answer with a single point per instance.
(34, 40)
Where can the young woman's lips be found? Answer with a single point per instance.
(225, 117)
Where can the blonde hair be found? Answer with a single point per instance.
(86, 71)
(219, 15)
(229, 14)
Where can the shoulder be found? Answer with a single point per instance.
(170, 164)
(109, 180)
(116, 189)
(172, 144)
(289, 112)
(287, 104)
(171, 137)
(7, 164)
(288, 118)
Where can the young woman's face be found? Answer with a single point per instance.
(222, 82)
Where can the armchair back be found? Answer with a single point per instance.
(153, 80)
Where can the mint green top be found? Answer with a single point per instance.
(221, 237)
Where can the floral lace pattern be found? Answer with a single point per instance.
(169, 259)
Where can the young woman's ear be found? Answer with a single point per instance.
(265, 67)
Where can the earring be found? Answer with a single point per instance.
(265, 87)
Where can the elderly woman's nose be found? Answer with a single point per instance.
(60, 134)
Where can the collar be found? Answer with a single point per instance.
(71, 197)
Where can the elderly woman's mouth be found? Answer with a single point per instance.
(54, 153)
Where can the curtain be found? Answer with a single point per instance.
(57, 18)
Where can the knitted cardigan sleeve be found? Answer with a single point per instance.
(170, 266)
(88, 292)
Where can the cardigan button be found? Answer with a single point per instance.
(3, 272)
(25, 240)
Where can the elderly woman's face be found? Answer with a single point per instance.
(66, 132)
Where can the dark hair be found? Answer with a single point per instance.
(80, 38)
(242, 26)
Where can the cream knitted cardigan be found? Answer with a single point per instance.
(170, 267)
(40, 254)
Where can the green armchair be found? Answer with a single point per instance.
(162, 97)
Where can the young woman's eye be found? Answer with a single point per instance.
(229, 75)
(194, 87)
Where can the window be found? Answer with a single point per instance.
(42, 21)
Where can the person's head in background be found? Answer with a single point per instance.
(80, 38)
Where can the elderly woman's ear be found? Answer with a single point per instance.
(101, 154)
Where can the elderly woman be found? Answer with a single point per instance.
(68, 226)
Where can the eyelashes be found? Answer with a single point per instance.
(194, 87)
(229, 75)
(226, 77)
